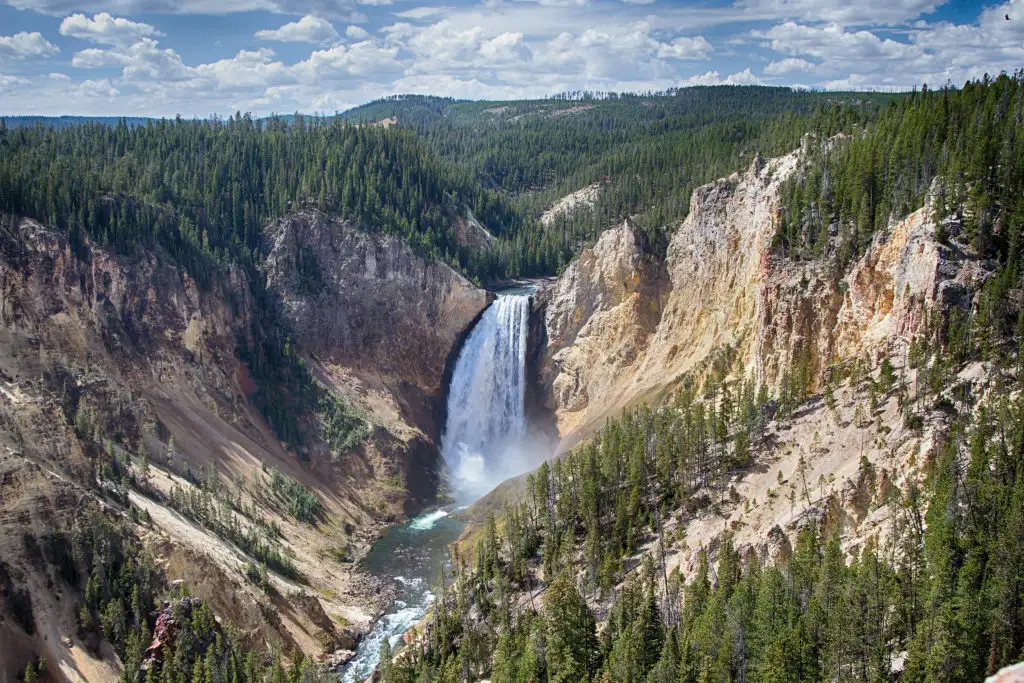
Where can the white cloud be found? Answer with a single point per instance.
(22, 45)
(862, 12)
(247, 69)
(144, 60)
(340, 9)
(834, 42)
(105, 29)
(11, 82)
(790, 65)
(446, 85)
(308, 29)
(443, 47)
(745, 77)
(100, 88)
(611, 53)
(561, 3)
(422, 12)
(685, 48)
(932, 53)
(343, 61)
(503, 49)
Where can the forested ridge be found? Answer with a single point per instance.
(962, 144)
(204, 190)
(649, 151)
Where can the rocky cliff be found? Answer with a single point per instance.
(369, 301)
(624, 326)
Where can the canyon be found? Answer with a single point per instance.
(140, 344)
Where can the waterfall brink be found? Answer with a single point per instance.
(486, 424)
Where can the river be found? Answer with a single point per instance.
(485, 441)
(413, 554)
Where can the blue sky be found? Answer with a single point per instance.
(204, 57)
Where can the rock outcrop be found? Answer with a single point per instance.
(624, 326)
(600, 315)
(371, 305)
(368, 301)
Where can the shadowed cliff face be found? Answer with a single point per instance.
(624, 326)
(371, 304)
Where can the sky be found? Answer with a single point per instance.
(215, 57)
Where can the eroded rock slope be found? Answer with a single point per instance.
(624, 325)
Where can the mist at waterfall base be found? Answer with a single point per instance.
(486, 438)
(485, 441)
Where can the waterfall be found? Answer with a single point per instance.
(486, 423)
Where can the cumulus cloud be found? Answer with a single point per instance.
(22, 45)
(142, 61)
(342, 61)
(500, 49)
(98, 88)
(685, 48)
(422, 12)
(443, 47)
(790, 65)
(611, 53)
(247, 69)
(106, 29)
(834, 42)
(745, 77)
(308, 29)
(11, 82)
(931, 53)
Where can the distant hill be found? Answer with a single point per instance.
(66, 121)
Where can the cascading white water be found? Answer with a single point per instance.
(486, 420)
(485, 441)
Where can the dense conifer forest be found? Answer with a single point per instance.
(204, 190)
(648, 151)
(940, 602)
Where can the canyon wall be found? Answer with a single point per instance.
(368, 301)
(105, 356)
(625, 326)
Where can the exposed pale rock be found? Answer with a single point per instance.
(600, 316)
(1008, 674)
(777, 546)
(624, 327)
(583, 197)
